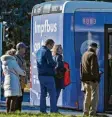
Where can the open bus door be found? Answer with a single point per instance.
(108, 67)
(0, 55)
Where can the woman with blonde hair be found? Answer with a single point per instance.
(11, 52)
(57, 52)
(11, 71)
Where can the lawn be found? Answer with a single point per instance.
(37, 115)
(34, 115)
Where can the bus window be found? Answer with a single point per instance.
(56, 9)
(38, 10)
(46, 8)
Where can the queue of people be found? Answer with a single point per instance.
(14, 74)
(51, 73)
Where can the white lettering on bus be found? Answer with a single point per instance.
(46, 27)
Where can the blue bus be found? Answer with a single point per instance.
(74, 24)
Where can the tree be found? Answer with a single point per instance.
(17, 14)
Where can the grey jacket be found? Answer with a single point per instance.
(20, 61)
(22, 64)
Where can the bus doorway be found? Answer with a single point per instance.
(108, 68)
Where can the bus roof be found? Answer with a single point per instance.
(70, 6)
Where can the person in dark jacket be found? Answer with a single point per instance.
(20, 53)
(59, 69)
(45, 67)
(90, 78)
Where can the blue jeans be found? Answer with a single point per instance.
(58, 90)
(47, 84)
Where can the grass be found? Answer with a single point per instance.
(37, 115)
(34, 115)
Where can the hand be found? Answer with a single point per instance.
(24, 73)
(67, 70)
(101, 72)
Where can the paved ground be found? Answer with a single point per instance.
(30, 109)
(27, 108)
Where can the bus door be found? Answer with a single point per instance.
(108, 67)
(0, 54)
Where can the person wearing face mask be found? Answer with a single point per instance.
(59, 69)
(45, 69)
(20, 54)
(90, 78)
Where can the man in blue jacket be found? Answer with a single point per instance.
(45, 67)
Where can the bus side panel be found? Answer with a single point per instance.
(70, 93)
(70, 99)
(45, 27)
(89, 27)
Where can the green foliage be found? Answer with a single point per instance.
(34, 115)
(18, 114)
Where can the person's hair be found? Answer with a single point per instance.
(49, 42)
(55, 49)
(10, 46)
(11, 52)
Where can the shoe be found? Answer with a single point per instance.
(95, 115)
(44, 112)
(85, 114)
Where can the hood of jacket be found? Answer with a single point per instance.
(6, 58)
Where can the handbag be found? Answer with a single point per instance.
(67, 80)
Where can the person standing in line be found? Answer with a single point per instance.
(90, 78)
(45, 67)
(11, 71)
(21, 50)
(59, 69)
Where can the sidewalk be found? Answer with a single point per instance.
(32, 109)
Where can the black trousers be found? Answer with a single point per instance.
(19, 101)
(11, 103)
